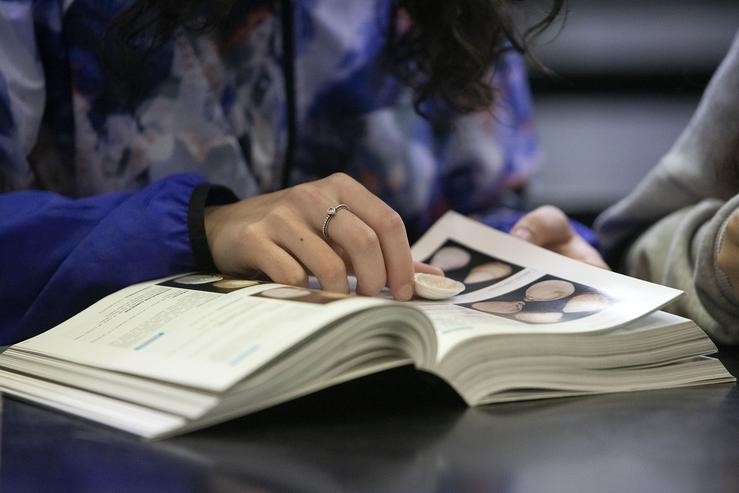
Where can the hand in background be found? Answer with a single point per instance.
(728, 253)
(548, 227)
(281, 234)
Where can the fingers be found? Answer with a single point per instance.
(362, 246)
(279, 265)
(545, 225)
(731, 233)
(579, 249)
(388, 228)
(728, 254)
(315, 254)
(549, 227)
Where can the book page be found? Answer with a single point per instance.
(197, 330)
(515, 287)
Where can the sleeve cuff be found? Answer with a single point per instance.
(722, 279)
(204, 195)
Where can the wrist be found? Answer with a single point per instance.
(204, 200)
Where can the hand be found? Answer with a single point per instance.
(728, 253)
(281, 235)
(547, 226)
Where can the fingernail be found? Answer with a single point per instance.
(405, 292)
(522, 233)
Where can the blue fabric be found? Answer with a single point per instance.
(503, 219)
(59, 255)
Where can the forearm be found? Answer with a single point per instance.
(680, 251)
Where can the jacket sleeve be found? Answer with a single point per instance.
(680, 251)
(59, 255)
(670, 228)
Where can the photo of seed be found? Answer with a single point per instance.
(234, 283)
(488, 272)
(285, 293)
(194, 279)
(450, 258)
(549, 290)
(499, 307)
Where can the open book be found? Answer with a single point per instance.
(169, 356)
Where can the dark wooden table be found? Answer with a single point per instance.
(399, 431)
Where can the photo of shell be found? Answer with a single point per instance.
(217, 283)
(450, 258)
(233, 284)
(194, 279)
(499, 307)
(303, 295)
(547, 300)
(285, 293)
(553, 289)
(466, 265)
(489, 271)
(213, 283)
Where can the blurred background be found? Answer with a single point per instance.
(629, 74)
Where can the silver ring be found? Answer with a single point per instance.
(330, 213)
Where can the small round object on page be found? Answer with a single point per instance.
(433, 287)
(285, 293)
(549, 290)
(234, 283)
(488, 272)
(194, 279)
(500, 307)
(450, 258)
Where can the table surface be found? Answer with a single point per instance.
(399, 431)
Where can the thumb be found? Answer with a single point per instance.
(545, 225)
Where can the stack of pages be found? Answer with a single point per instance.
(169, 356)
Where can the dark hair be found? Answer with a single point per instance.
(450, 47)
(445, 55)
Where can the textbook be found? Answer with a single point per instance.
(173, 355)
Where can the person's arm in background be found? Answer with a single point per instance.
(679, 226)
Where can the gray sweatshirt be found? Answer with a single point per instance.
(669, 229)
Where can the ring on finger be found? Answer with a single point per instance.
(330, 213)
